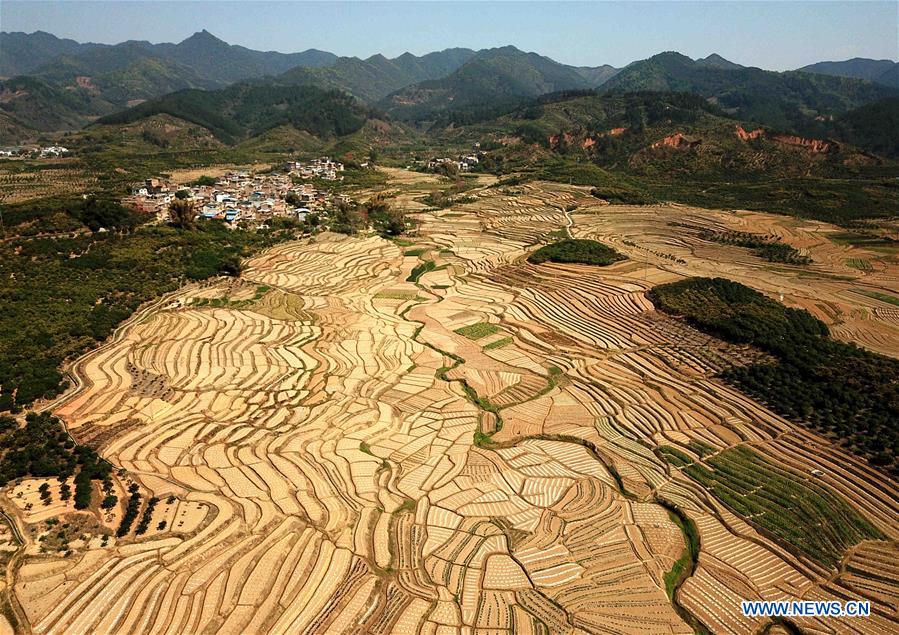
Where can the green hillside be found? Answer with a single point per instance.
(857, 67)
(247, 110)
(490, 79)
(34, 104)
(787, 101)
(22, 53)
(373, 78)
(643, 147)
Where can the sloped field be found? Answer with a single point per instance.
(493, 448)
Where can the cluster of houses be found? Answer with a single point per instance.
(237, 197)
(321, 168)
(461, 163)
(43, 152)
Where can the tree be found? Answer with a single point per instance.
(181, 213)
(395, 223)
(182, 194)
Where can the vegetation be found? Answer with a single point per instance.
(685, 565)
(769, 248)
(500, 343)
(247, 110)
(62, 294)
(146, 517)
(576, 250)
(130, 511)
(182, 213)
(836, 388)
(877, 295)
(782, 100)
(450, 196)
(605, 141)
(477, 331)
(419, 270)
(499, 77)
(804, 514)
(42, 448)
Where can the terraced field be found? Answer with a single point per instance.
(337, 445)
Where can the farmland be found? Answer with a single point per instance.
(435, 434)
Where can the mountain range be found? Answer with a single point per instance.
(884, 72)
(60, 84)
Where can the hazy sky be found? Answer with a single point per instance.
(775, 35)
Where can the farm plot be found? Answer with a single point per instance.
(493, 447)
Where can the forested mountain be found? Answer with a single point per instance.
(788, 101)
(489, 79)
(140, 70)
(874, 127)
(216, 60)
(597, 75)
(22, 53)
(377, 76)
(34, 104)
(716, 61)
(249, 109)
(659, 133)
(880, 71)
(890, 77)
(70, 84)
(642, 147)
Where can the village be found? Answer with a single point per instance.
(34, 152)
(246, 198)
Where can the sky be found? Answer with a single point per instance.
(772, 35)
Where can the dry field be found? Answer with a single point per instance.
(313, 450)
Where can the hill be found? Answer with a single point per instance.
(21, 53)
(662, 133)
(374, 78)
(141, 70)
(246, 110)
(716, 61)
(874, 127)
(788, 101)
(637, 148)
(597, 75)
(859, 68)
(890, 77)
(36, 106)
(490, 79)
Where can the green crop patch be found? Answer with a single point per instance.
(806, 515)
(477, 331)
(420, 270)
(877, 295)
(500, 343)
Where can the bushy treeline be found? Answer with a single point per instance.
(831, 386)
(769, 248)
(576, 250)
(41, 448)
(67, 214)
(63, 295)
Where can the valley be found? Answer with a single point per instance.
(336, 443)
(441, 334)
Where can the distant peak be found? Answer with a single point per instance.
(716, 61)
(203, 36)
(671, 55)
